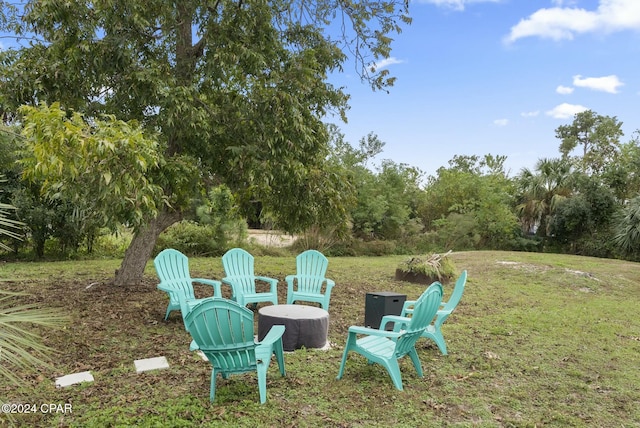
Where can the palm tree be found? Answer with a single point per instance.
(541, 191)
(627, 236)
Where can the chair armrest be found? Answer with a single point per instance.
(442, 312)
(407, 307)
(271, 281)
(267, 279)
(355, 329)
(271, 343)
(217, 290)
(228, 281)
(398, 322)
(290, 280)
(330, 284)
(273, 335)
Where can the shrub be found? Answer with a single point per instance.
(378, 248)
(112, 244)
(343, 248)
(193, 239)
(434, 265)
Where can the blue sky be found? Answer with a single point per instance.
(499, 76)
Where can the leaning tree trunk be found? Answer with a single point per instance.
(139, 251)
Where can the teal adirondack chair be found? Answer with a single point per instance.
(387, 347)
(434, 331)
(311, 268)
(223, 330)
(172, 268)
(239, 274)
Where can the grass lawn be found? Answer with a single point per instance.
(537, 340)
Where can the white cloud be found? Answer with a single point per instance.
(606, 83)
(501, 122)
(565, 111)
(559, 23)
(530, 113)
(385, 63)
(455, 4)
(564, 90)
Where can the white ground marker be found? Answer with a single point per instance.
(72, 379)
(151, 364)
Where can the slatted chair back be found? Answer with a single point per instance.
(456, 295)
(238, 268)
(311, 268)
(223, 330)
(424, 312)
(172, 268)
(224, 333)
(310, 283)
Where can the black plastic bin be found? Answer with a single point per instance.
(380, 304)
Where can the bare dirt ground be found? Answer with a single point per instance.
(270, 238)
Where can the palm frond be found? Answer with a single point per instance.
(21, 349)
(8, 226)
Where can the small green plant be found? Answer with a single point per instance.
(434, 265)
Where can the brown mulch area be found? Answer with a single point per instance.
(109, 326)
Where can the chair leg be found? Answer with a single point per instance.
(278, 351)
(394, 371)
(439, 338)
(344, 357)
(212, 392)
(436, 336)
(416, 362)
(441, 345)
(184, 321)
(166, 315)
(262, 381)
(344, 360)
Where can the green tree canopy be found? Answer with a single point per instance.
(599, 137)
(623, 176)
(238, 86)
(471, 197)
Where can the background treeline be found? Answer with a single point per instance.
(586, 201)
